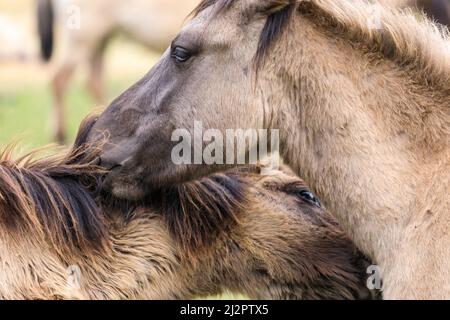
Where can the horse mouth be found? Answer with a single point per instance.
(108, 179)
(109, 165)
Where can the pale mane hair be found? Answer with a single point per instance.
(409, 39)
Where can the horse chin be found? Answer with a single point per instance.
(134, 183)
(123, 187)
(128, 192)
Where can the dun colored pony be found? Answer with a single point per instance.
(263, 236)
(152, 23)
(361, 94)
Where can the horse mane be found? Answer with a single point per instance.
(198, 212)
(58, 200)
(410, 40)
(51, 199)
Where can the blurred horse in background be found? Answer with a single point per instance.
(87, 27)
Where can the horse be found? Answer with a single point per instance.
(265, 236)
(360, 93)
(152, 23)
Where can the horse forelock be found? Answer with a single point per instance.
(205, 4)
(278, 13)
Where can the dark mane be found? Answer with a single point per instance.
(51, 199)
(198, 212)
(195, 212)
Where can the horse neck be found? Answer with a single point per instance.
(357, 121)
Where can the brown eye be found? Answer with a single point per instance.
(310, 197)
(180, 54)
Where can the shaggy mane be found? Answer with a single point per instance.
(52, 198)
(198, 212)
(415, 43)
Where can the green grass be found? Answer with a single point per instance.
(26, 113)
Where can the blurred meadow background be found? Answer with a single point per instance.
(25, 92)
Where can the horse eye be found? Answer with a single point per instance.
(310, 197)
(180, 54)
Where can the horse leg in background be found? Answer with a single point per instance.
(59, 85)
(95, 80)
(79, 52)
